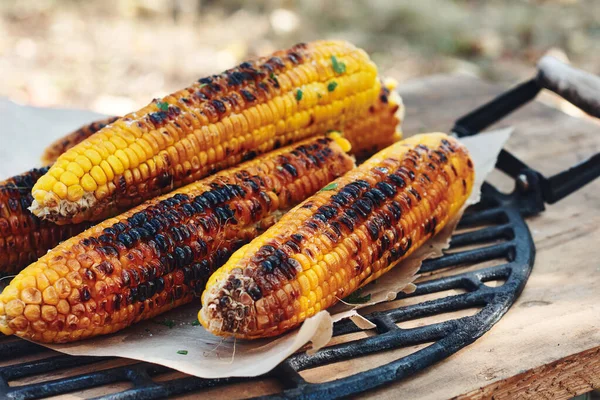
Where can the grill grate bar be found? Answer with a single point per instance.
(468, 257)
(493, 216)
(287, 375)
(15, 348)
(483, 235)
(31, 368)
(373, 344)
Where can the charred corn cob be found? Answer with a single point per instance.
(63, 144)
(350, 233)
(157, 255)
(23, 237)
(215, 123)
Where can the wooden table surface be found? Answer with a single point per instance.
(548, 344)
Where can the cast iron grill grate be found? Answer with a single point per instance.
(486, 225)
(493, 245)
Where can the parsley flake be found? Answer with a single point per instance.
(182, 352)
(338, 66)
(356, 298)
(163, 105)
(298, 94)
(195, 323)
(331, 186)
(331, 86)
(167, 322)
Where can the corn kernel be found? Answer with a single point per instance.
(14, 308)
(76, 169)
(49, 313)
(93, 156)
(60, 189)
(31, 296)
(83, 162)
(74, 193)
(108, 171)
(63, 307)
(32, 312)
(50, 296)
(46, 182)
(88, 183)
(69, 178)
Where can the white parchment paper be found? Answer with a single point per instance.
(175, 339)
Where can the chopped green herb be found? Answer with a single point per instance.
(338, 67)
(331, 186)
(319, 95)
(298, 94)
(272, 76)
(163, 105)
(167, 322)
(356, 298)
(182, 352)
(195, 323)
(202, 85)
(331, 86)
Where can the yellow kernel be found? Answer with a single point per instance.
(116, 164)
(74, 193)
(39, 195)
(28, 281)
(9, 293)
(46, 182)
(51, 275)
(84, 163)
(63, 288)
(118, 142)
(51, 199)
(63, 307)
(76, 169)
(69, 178)
(122, 156)
(42, 281)
(19, 323)
(49, 313)
(98, 174)
(101, 192)
(93, 156)
(107, 169)
(32, 312)
(312, 278)
(31, 296)
(88, 183)
(50, 296)
(56, 172)
(132, 157)
(14, 308)
(60, 189)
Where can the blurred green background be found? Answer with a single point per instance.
(115, 55)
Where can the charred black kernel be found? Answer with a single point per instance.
(188, 275)
(201, 270)
(132, 296)
(297, 237)
(454, 169)
(158, 118)
(427, 178)
(135, 235)
(197, 207)
(119, 226)
(117, 302)
(125, 239)
(340, 199)
(161, 242)
(151, 289)
(220, 106)
(291, 169)
(144, 234)
(168, 261)
(293, 245)
(224, 215)
(254, 292)
(397, 180)
(125, 279)
(180, 258)
(363, 207)
(464, 184)
(387, 189)
(211, 198)
(442, 156)
(138, 218)
(176, 234)
(445, 142)
(135, 276)
(185, 232)
(373, 230)
(248, 96)
(267, 265)
(249, 155)
(89, 274)
(385, 243)
(109, 231)
(320, 217)
(164, 179)
(105, 239)
(205, 81)
(347, 222)
(142, 292)
(105, 268)
(383, 98)
(181, 197)
(414, 193)
(178, 292)
(295, 58)
(85, 294)
(157, 223)
(159, 285)
(335, 227)
(147, 230)
(376, 196)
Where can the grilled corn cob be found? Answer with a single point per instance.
(23, 237)
(63, 144)
(155, 256)
(350, 233)
(215, 123)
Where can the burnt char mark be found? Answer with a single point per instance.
(158, 118)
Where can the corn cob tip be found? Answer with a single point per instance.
(56, 209)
